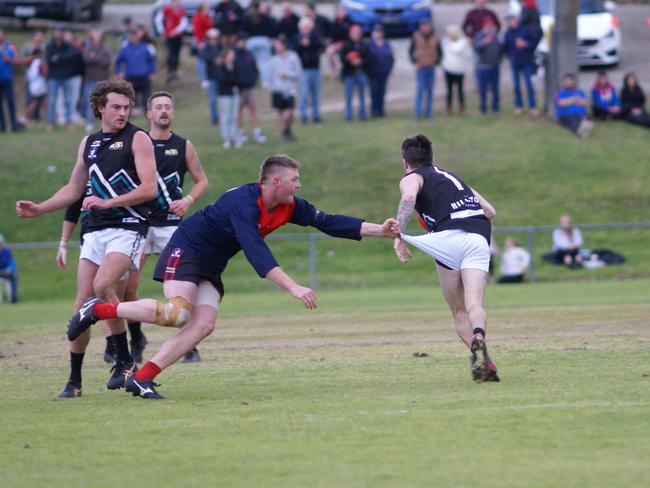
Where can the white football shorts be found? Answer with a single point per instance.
(99, 243)
(157, 239)
(454, 248)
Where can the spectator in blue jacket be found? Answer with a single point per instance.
(379, 69)
(59, 56)
(8, 269)
(519, 46)
(604, 100)
(309, 46)
(8, 57)
(571, 107)
(136, 64)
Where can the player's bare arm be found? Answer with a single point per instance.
(390, 228)
(145, 165)
(286, 282)
(62, 250)
(181, 206)
(409, 187)
(487, 207)
(65, 196)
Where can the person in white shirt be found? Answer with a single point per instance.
(456, 57)
(567, 241)
(514, 262)
(36, 84)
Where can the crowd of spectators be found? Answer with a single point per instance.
(237, 49)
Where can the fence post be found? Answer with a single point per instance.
(313, 276)
(531, 250)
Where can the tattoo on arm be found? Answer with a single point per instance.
(404, 212)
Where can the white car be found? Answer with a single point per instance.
(599, 36)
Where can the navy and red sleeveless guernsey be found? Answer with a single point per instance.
(111, 172)
(238, 220)
(171, 166)
(445, 202)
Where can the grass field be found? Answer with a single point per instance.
(285, 397)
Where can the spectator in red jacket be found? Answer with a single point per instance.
(174, 24)
(201, 23)
(475, 19)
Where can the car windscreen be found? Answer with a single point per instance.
(545, 7)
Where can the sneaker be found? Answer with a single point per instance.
(71, 390)
(241, 136)
(585, 128)
(238, 143)
(142, 388)
(479, 359)
(83, 319)
(227, 144)
(137, 347)
(205, 84)
(119, 373)
(192, 357)
(258, 137)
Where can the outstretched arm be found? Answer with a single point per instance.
(286, 282)
(409, 188)
(390, 228)
(487, 207)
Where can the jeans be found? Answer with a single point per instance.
(357, 80)
(228, 110)
(12, 277)
(425, 80)
(53, 90)
(310, 86)
(527, 71)
(7, 93)
(377, 95)
(85, 103)
(200, 69)
(212, 101)
(488, 78)
(260, 46)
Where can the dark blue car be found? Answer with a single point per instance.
(399, 17)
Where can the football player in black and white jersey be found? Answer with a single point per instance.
(175, 156)
(119, 162)
(457, 220)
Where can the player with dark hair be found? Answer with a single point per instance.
(119, 163)
(190, 266)
(457, 219)
(175, 156)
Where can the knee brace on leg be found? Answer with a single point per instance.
(174, 313)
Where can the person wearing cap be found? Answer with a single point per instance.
(379, 69)
(8, 269)
(210, 54)
(425, 53)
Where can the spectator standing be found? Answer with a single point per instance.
(8, 269)
(228, 17)
(337, 36)
(488, 58)
(456, 56)
(201, 23)
(475, 19)
(571, 107)
(36, 85)
(379, 69)
(228, 97)
(60, 70)
(514, 262)
(529, 18)
(519, 46)
(604, 100)
(322, 25)
(210, 55)
(27, 54)
(567, 241)
(174, 25)
(8, 57)
(309, 46)
(248, 75)
(355, 57)
(284, 74)
(76, 82)
(97, 67)
(135, 63)
(633, 101)
(424, 52)
(288, 22)
(260, 27)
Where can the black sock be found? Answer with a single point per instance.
(122, 348)
(76, 361)
(478, 330)
(110, 346)
(135, 328)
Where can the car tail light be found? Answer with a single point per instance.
(615, 21)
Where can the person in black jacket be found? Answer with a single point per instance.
(228, 17)
(288, 23)
(355, 57)
(633, 101)
(260, 28)
(248, 75)
(58, 56)
(381, 64)
(228, 81)
(210, 54)
(309, 46)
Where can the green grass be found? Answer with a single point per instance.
(336, 398)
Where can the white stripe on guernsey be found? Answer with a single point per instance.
(94, 168)
(463, 214)
(453, 179)
(163, 187)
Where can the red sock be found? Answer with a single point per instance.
(148, 372)
(106, 310)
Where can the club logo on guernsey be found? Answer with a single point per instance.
(171, 152)
(116, 146)
(93, 149)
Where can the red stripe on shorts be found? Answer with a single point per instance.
(168, 275)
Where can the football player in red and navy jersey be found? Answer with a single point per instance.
(190, 266)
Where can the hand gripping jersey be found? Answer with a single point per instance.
(111, 172)
(171, 166)
(238, 220)
(446, 202)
